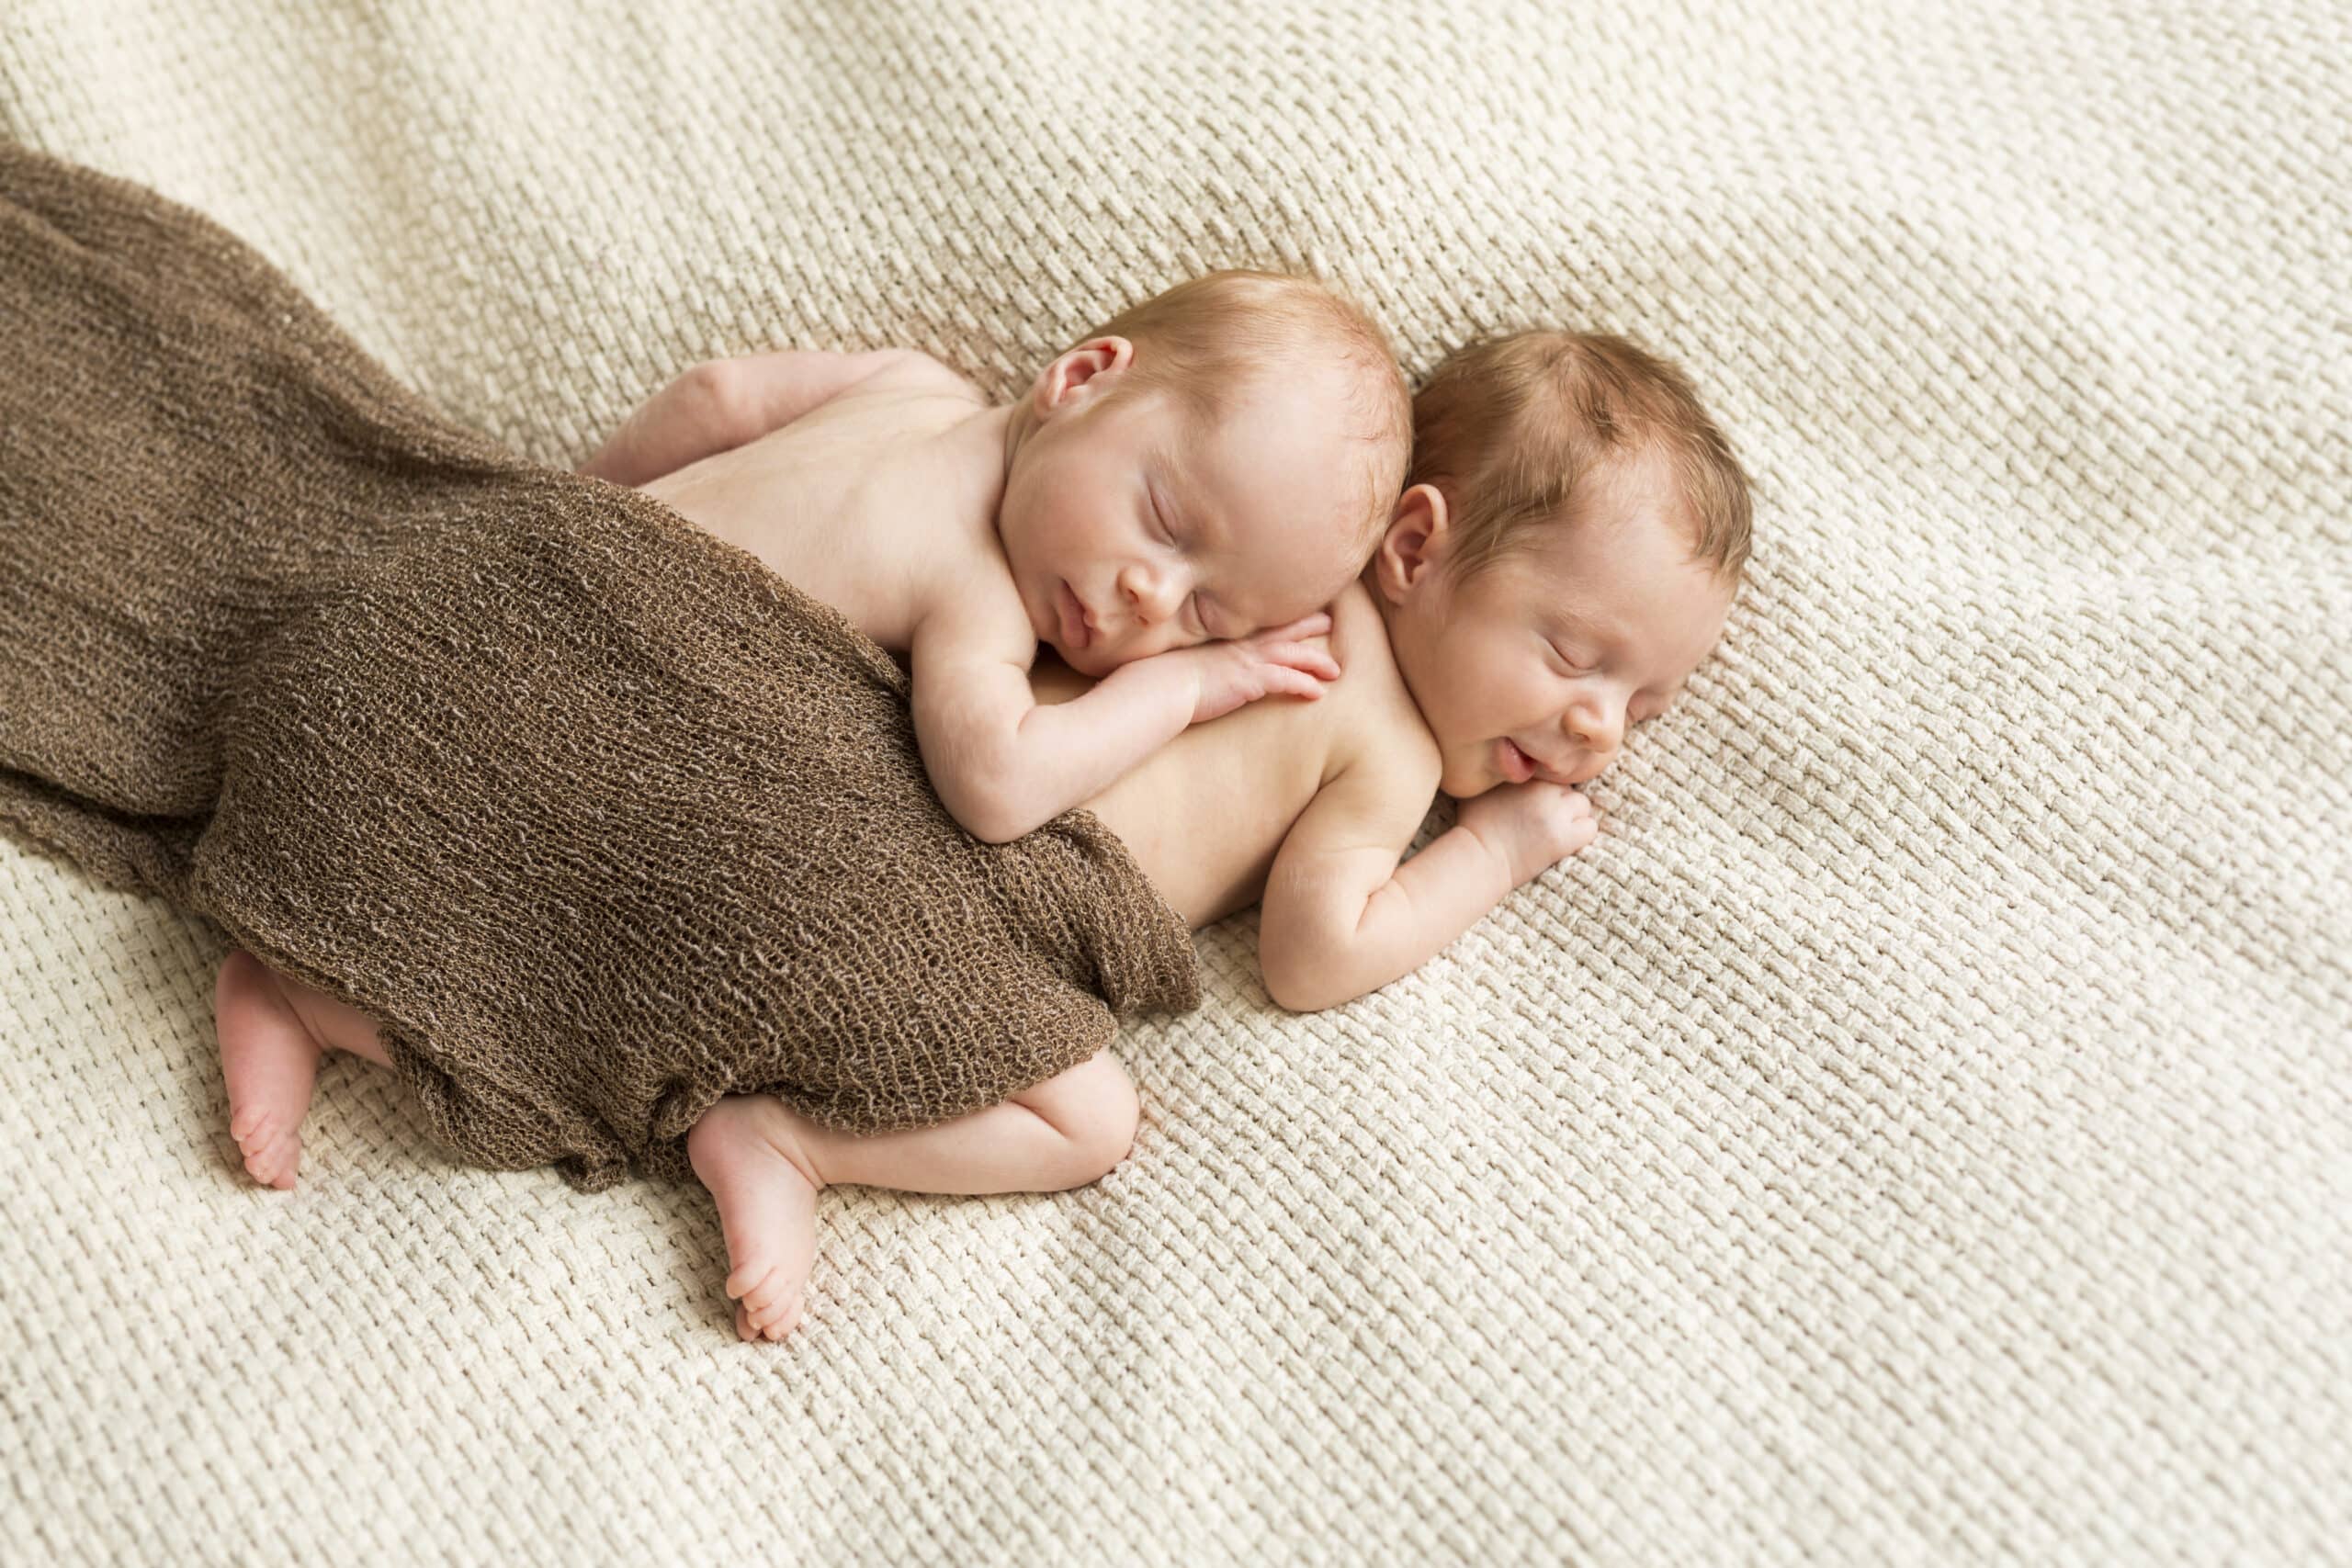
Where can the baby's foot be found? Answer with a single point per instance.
(747, 1149)
(270, 1064)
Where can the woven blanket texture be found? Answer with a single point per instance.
(1919, 1130)
(598, 818)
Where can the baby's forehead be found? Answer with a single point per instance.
(1634, 575)
(1266, 478)
(1260, 425)
(1641, 476)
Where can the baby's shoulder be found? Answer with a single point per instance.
(1373, 716)
(912, 372)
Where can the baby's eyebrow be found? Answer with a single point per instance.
(1165, 460)
(1605, 639)
(1169, 514)
(1169, 475)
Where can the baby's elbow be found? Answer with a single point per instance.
(994, 817)
(974, 779)
(987, 824)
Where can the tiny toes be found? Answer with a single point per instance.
(274, 1167)
(777, 1318)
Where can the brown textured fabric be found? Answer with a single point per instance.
(598, 816)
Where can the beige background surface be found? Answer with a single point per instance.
(1919, 1130)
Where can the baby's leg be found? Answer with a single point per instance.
(271, 1030)
(764, 1162)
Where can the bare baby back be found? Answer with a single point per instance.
(1206, 813)
(904, 472)
(900, 473)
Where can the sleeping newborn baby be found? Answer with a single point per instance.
(611, 825)
(1562, 560)
(1213, 463)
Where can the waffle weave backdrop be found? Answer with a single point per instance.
(1919, 1129)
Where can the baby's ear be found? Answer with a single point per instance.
(1416, 541)
(1079, 378)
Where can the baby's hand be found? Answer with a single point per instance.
(1279, 663)
(1533, 826)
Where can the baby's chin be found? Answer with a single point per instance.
(1464, 780)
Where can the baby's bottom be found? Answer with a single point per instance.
(763, 1161)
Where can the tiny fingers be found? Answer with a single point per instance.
(1301, 656)
(1315, 625)
(1291, 683)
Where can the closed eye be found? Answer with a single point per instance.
(1159, 521)
(1561, 655)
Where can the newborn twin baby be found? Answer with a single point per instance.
(1224, 495)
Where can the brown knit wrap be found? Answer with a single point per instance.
(600, 818)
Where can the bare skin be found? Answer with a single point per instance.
(1505, 688)
(1097, 514)
(272, 1033)
(1218, 819)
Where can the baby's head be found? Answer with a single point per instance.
(1216, 460)
(1572, 533)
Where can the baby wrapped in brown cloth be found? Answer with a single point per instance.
(598, 818)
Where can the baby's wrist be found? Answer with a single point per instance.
(1499, 850)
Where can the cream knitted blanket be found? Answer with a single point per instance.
(1919, 1130)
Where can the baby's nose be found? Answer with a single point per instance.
(1152, 595)
(1596, 730)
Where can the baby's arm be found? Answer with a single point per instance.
(1342, 917)
(1004, 763)
(719, 405)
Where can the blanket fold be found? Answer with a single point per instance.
(600, 818)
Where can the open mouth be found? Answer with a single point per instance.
(1511, 762)
(1076, 633)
